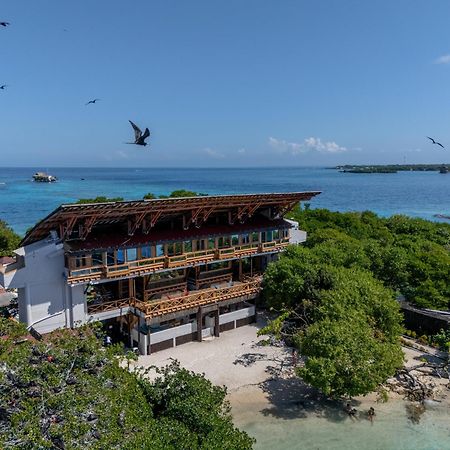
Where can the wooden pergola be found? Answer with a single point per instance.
(144, 214)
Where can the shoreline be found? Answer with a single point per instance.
(265, 395)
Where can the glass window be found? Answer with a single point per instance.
(255, 237)
(276, 234)
(120, 258)
(245, 238)
(224, 241)
(110, 261)
(199, 245)
(211, 243)
(97, 259)
(159, 250)
(187, 246)
(178, 248)
(235, 239)
(269, 236)
(131, 254)
(146, 252)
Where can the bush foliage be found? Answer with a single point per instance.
(69, 392)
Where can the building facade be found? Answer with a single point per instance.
(158, 273)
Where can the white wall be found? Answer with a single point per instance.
(45, 300)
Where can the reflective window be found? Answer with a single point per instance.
(245, 238)
(159, 250)
(255, 237)
(211, 243)
(120, 257)
(146, 252)
(131, 254)
(187, 246)
(97, 259)
(110, 261)
(224, 241)
(235, 239)
(276, 234)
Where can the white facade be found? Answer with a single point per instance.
(46, 301)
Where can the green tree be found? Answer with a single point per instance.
(67, 391)
(9, 240)
(100, 199)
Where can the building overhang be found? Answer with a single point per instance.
(77, 221)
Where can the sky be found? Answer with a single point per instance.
(231, 83)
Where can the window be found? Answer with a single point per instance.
(266, 236)
(159, 250)
(245, 238)
(255, 237)
(224, 241)
(199, 245)
(235, 239)
(110, 260)
(174, 249)
(187, 246)
(276, 234)
(146, 252)
(97, 259)
(81, 261)
(131, 254)
(120, 257)
(211, 243)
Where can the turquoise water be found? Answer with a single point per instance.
(418, 194)
(334, 430)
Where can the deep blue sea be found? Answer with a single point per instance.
(418, 194)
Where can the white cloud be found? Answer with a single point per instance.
(444, 59)
(283, 146)
(242, 150)
(213, 153)
(308, 144)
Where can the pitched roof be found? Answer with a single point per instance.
(66, 218)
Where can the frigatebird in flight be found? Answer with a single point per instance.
(138, 136)
(92, 101)
(2, 87)
(434, 142)
(4, 24)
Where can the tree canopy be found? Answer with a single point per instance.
(69, 392)
(9, 240)
(100, 199)
(174, 194)
(409, 255)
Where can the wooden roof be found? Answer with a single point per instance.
(144, 213)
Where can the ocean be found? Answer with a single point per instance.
(417, 194)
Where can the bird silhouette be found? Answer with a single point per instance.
(4, 24)
(3, 86)
(138, 136)
(434, 142)
(92, 101)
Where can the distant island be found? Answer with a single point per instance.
(394, 168)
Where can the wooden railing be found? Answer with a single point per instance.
(178, 286)
(201, 298)
(134, 268)
(191, 258)
(95, 308)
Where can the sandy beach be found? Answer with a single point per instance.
(267, 398)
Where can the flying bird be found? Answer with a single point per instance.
(4, 24)
(3, 86)
(434, 142)
(138, 136)
(92, 101)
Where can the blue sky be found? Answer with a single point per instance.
(224, 83)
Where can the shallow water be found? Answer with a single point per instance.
(334, 430)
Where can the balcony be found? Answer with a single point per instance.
(150, 265)
(156, 308)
